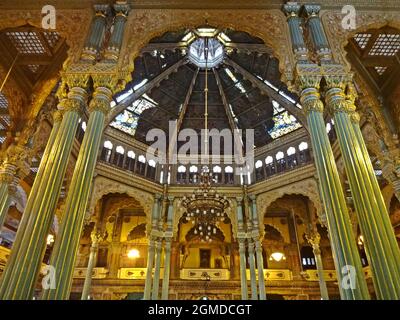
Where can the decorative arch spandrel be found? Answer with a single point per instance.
(307, 188)
(103, 186)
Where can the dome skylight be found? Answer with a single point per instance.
(197, 52)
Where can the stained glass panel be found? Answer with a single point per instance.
(126, 121)
(284, 124)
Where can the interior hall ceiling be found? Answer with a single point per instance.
(193, 4)
(233, 101)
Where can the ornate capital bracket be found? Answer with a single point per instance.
(313, 239)
(308, 75)
(312, 10)
(122, 9)
(291, 9)
(101, 9)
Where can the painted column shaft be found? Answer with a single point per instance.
(320, 270)
(96, 34)
(149, 275)
(89, 271)
(380, 242)
(167, 268)
(260, 267)
(156, 279)
(253, 279)
(67, 242)
(243, 276)
(317, 33)
(343, 244)
(25, 218)
(118, 32)
(371, 172)
(25, 261)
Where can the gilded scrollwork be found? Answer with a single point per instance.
(306, 187)
(103, 186)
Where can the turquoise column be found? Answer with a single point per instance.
(67, 241)
(292, 10)
(114, 45)
(343, 243)
(242, 249)
(21, 273)
(151, 250)
(252, 266)
(149, 275)
(318, 36)
(260, 267)
(156, 279)
(243, 276)
(97, 29)
(168, 240)
(373, 217)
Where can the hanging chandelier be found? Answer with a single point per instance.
(205, 208)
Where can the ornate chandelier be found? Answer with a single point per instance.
(205, 208)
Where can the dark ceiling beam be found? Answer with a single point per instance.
(290, 107)
(34, 59)
(183, 111)
(44, 43)
(168, 46)
(225, 102)
(142, 90)
(362, 70)
(378, 61)
(253, 107)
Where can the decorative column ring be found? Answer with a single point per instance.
(380, 240)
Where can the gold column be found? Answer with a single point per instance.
(67, 241)
(373, 217)
(22, 270)
(343, 243)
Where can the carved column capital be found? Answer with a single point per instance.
(313, 239)
(101, 100)
(312, 10)
(291, 9)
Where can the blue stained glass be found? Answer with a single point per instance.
(284, 123)
(126, 121)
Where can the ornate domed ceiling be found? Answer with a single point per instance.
(245, 91)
